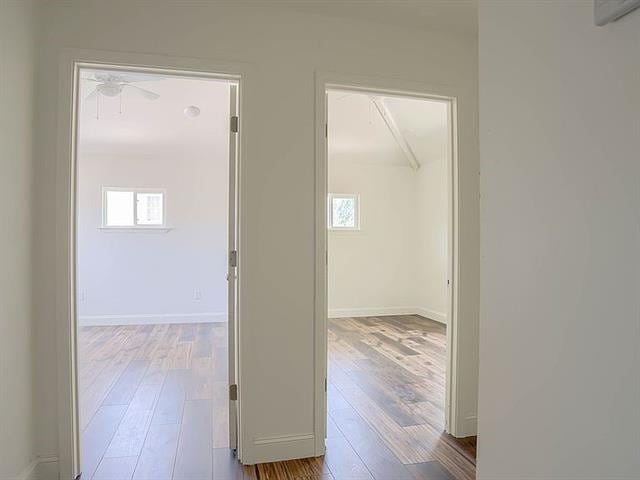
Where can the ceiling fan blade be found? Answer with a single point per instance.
(145, 93)
(102, 76)
(92, 95)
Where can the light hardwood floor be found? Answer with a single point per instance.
(153, 405)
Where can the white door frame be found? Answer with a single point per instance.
(386, 87)
(66, 216)
(232, 266)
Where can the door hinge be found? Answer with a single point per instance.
(233, 392)
(234, 124)
(233, 258)
(326, 130)
(325, 384)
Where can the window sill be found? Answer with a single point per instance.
(137, 229)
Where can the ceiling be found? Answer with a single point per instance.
(458, 15)
(132, 124)
(357, 131)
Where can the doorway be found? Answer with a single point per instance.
(156, 272)
(388, 287)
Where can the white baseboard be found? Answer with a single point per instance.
(468, 427)
(150, 319)
(279, 448)
(48, 468)
(370, 311)
(29, 472)
(432, 315)
(383, 311)
(41, 468)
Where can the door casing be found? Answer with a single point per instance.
(66, 219)
(385, 87)
(232, 269)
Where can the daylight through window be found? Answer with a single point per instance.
(122, 207)
(344, 212)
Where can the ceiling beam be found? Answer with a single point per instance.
(386, 115)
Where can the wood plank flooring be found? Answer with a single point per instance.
(153, 405)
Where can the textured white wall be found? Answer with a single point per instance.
(17, 31)
(560, 322)
(283, 51)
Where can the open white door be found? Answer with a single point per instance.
(232, 276)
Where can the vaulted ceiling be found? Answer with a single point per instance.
(460, 16)
(358, 131)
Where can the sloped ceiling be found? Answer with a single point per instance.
(357, 131)
(460, 16)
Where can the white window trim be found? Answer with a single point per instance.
(136, 227)
(330, 211)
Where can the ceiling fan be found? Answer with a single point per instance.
(112, 84)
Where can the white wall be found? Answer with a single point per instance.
(433, 202)
(397, 263)
(17, 35)
(371, 270)
(560, 324)
(135, 277)
(283, 51)
(432, 237)
(134, 274)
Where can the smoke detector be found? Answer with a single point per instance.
(191, 111)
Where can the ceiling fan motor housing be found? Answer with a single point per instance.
(109, 89)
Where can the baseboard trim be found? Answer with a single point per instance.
(40, 468)
(29, 472)
(385, 311)
(468, 427)
(280, 448)
(283, 438)
(432, 314)
(150, 319)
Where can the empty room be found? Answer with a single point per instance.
(389, 283)
(152, 205)
(319, 240)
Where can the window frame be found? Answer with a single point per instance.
(136, 226)
(352, 196)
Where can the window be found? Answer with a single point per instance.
(344, 212)
(132, 208)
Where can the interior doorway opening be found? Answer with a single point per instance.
(155, 273)
(390, 278)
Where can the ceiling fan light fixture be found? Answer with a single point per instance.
(109, 89)
(112, 84)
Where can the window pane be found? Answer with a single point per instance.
(119, 209)
(150, 208)
(344, 212)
